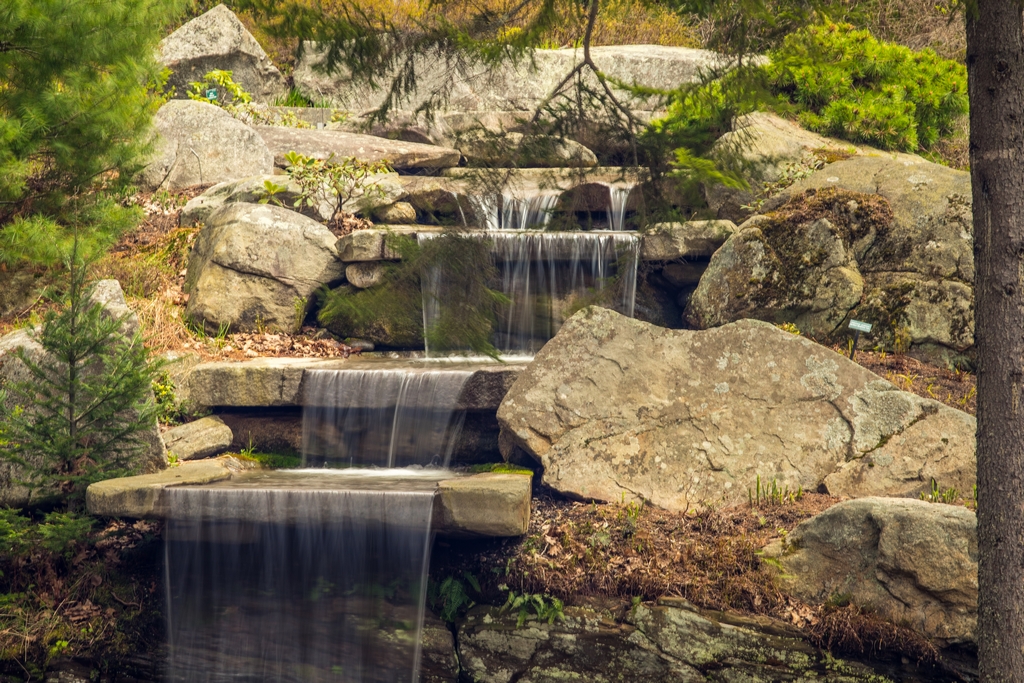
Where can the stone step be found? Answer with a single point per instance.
(692, 240)
(478, 505)
(278, 382)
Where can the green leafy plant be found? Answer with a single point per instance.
(536, 606)
(331, 181)
(218, 87)
(81, 414)
(850, 85)
(451, 597)
(948, 496)
(770, 493)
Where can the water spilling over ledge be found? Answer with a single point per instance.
(298, 576)
(545, 276)
(385, 418)
(319, 574)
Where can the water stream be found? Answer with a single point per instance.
(318, 574)
(547, 276)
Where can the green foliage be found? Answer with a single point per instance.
(77, 85)
(534, 606)
(853, 86)
(451, 597)
(59, 533)
(328, 181)
(770, 493)
(948, 496)
(272, 461)
(218, 87)
(80, 415)
(167, 410)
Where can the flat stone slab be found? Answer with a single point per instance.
(278, 382)
(139, 496)
(321, 144)
(478, 505)
(372, 244)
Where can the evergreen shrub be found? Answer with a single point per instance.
(81, 415)
(850, 85)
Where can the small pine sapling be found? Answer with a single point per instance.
(81, 414)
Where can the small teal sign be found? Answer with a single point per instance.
(211, 94)
(860, 326)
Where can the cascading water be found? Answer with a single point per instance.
(511, 212)
(317, 574)
(384, 418)
(619, 197)
(546, 276)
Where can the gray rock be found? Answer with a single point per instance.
(689, 240)
(218, 40)
(258, 265)
(613, 407)
(910, 271)
(517, 150)
(364, 274)
(203, 438)
(511, 87)
(911, 562)
(322, 144)
(667, 641)
(202, 144)
(399, 213)
(372, 244)
(380, 188)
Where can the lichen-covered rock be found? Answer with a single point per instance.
(911, 562)
(200, 144)
(613, 407)
(257, 265)
(887, 240)
(684, 241)
(399, 213)
(323, 144)
(364, 274)
(202, 438)
(218, 40)
(515, 150)
(669, 641)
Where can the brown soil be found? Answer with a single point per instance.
(956, 388)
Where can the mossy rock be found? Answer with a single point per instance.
(383, 314)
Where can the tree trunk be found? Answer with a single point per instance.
(995, 65)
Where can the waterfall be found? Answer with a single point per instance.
(383, 418)
(619, 197)
(508, 211)
(310, 583)
(318, 574)
(547, 276)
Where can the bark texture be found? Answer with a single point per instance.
(995, 64)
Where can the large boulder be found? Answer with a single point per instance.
(323, 144)
(150, 457)
(613, 407)
(199, 144)
(881, 239)
(257, 266)
(512, 149)
(510, 87)
(909, 561)
(218, 40)
(666, 641)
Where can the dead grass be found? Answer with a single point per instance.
(586, 554)
(710, 558)
(956, 388)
